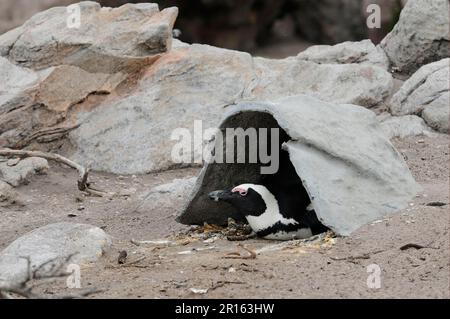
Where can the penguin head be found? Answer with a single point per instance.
(248, 199)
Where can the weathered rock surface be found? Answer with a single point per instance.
(52, 242)
(122, 122)
(365, 85)
(15, 82)
(19, 173)
(404, 126)
(241, 24)
(8, 196)
(352, 173)
(15, 12)
(178, 186)
(421, 35)
(168, 195)
(193, 83)
(426, 93)
(133, 134)
(108, 40)
(364, 52)
(27, 113)
(437, 115)
(67, 85)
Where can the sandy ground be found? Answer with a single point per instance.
(333, 268)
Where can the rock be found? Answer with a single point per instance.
(404, 126)
(350, 170)
(178, 187)
(22, 171)
(365, 85)
(67, 85)
(120, 120)
(14, 12)
(8, 196)
(107, 41)
(16, 100)
(133, 135)
(364, 52)
(242, 24)
(52, 242)
(437, 115)
(175, 91)
(15, 82)
(426, 93)
(48, 102)
(171, 195)
(421, 35)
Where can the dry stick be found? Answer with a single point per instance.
(130, 264)
(82, 171)
(416, 246)
(152, 242)
(223, 283)
(23, 289)
(363, 256)
(48, 135)
(237, 255)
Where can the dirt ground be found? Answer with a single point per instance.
(324, 268)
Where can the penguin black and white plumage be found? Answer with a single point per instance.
(278, 208)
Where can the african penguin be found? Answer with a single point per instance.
(268, 217)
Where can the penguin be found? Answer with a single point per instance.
(268, 217)
(278, 207)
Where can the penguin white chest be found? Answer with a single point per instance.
(271, 215)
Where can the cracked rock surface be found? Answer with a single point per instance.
(426, 93)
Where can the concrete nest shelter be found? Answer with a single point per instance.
(350, 170)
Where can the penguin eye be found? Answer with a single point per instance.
(243, 193)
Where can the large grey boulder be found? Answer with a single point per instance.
(54, 242)
(426, 93)
(115, 90)
(197, 82)
(362, 84)
(107, 40)
(421, 35)
(364, 52)
(350, 170)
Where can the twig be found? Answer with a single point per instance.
(79, 295)
(152, 242)
(134, 261)
(25, 290)
(416, 246)
(46, 136)
(237, 255)
(352, 258)
(130, 264)
(83, 172)
(436, 204)
(240, 237)
(223, 283)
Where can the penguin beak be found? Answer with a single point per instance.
(219, 195)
